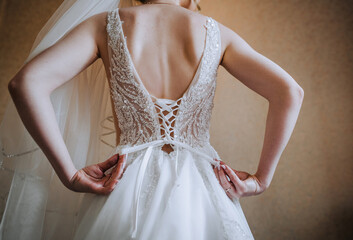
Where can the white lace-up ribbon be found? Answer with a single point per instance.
(143, 167)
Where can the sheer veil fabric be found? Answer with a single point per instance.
(38, 206)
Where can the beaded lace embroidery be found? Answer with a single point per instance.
(135, 115)
(140, 119)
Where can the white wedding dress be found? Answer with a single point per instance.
(163, 196)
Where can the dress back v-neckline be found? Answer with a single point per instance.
(139, 80)
(143, 119)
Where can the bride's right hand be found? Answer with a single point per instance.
(237, 184)
(91, 179)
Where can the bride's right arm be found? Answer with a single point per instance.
(269, 80)
(31, 87)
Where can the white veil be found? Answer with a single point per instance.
(38, 206)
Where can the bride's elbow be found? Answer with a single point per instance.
(289, 94)
(18, 89)
(297, 94)
(20, 83)
(14, 85)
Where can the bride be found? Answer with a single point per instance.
(162, 179)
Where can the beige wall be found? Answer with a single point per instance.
(312, 191)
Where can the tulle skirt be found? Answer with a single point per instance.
(179, 199)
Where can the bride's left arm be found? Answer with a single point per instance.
(32, 86)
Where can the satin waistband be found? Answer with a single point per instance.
(161, 142)
(143, 167)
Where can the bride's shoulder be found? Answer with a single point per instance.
(198, 18)
(98, 21)
(95, 26)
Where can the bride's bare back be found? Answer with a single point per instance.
(166, 44)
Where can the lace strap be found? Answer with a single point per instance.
(214, 43)
(113, 26)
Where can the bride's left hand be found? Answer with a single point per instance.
(240, 184)
(94, 179)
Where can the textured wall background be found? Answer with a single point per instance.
(312, 191)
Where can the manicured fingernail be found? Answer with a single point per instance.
(224, 167)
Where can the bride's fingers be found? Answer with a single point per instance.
(242, 175)
(102, 190)
(110, 162)
(228, 187)
(223, 178)
(117, 171)
(215, 170)
(121, 167)
(101, 187)
(124, 159)
(106, 178)
(235, 179)
(224, 181)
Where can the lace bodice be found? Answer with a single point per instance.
(142, 117)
